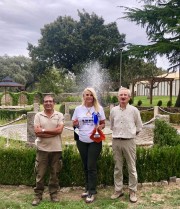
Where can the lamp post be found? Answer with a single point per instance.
(120, 67)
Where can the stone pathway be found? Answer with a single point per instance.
(19, 131)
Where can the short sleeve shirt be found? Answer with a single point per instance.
(52, 144)
(86, 124)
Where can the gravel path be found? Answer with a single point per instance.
(19, 131)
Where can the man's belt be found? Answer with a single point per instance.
(122, 138)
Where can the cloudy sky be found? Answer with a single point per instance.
(21, 21)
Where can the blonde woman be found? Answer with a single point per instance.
(89, 150)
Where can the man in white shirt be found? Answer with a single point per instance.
(125, 125)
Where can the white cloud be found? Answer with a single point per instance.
(21, 20)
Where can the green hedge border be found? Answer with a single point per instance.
(153, 165)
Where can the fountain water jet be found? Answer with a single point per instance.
(93, 75)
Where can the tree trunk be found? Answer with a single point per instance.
(178, 100)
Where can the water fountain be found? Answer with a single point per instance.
(93, 75)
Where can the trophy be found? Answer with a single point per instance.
(96, 121)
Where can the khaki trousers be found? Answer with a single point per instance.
(126, 148)
(45, 160)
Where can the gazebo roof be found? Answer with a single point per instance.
(8, 82)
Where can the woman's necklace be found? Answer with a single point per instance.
(88, 111)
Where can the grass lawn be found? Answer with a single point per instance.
(149, 197)
(146, 101)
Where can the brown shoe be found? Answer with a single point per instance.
(36, 201)
(54, 199)
(116, 195)
(132, 196)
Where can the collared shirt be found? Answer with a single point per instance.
(125, 123)
(52, 144)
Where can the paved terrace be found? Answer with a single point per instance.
(19, 131)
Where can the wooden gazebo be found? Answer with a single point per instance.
(151, 82)
(8, 82)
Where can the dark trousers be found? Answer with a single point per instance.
(89, 153)
(45, 160)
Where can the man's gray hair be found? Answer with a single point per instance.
(123, 88)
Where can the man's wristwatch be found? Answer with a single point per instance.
(43, 130)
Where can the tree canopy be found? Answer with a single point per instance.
(18, 68)
(67, 43)
(162, 22)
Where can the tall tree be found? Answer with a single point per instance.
(18, 68)
(66, 43)
(57, 80)
(162, 22)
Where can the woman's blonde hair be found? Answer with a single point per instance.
(95, 100)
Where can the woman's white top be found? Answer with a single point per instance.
(86, 123)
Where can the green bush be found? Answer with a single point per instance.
(131, 101)
(73, 99)
(146, 115)
(175, 118)
(139, 103)
(158, 163)
(114, 99)
(62, 108)
(164, 134)
(159, 103)
(169, 103)
(11, 114)
(15, 97)
(108, 99)
(17, 165)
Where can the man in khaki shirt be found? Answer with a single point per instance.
(48, 126)
(125, 124)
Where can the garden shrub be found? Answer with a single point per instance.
(131, 101)
(175, 118)
(108, 99)
(15, 97)
(139, 103)
(31, 96)
(62, 108)
(73, 99)
(164, 134)
(17, 165)
(146, 115)
(114, 99)
(169, 103)
(159, 103)
(6, 114)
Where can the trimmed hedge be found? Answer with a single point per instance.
(164, 134)
(154, 164)
(6, 114)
